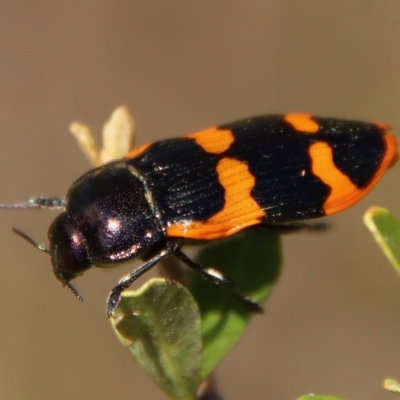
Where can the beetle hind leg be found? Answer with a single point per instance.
(219, 278)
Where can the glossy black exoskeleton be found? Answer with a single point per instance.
(110, 217)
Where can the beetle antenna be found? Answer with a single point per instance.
(18, 205)
(42, 248)
(45, 203)
(73, 290)
(31, 241)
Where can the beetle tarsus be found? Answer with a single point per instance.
(115, 295)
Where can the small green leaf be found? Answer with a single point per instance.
(252, 259)
(392, 386)
(318, 397)
(160, 325)
(386, 230)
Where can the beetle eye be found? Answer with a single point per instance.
(67, 249)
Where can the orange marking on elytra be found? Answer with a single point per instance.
(302, 122)
(391, 143)
(343, 192)
(213, 140)
(136, 152)
(392, 154)
(240, 209)
(382, 126)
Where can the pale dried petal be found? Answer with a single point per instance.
(119, 134)
(84, 137)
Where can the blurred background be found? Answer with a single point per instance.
(333, 323)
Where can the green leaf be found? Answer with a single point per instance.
(386, 230)
(252, 259)
(160, 325)
(393, 386)
(160, 322)
(318, 397)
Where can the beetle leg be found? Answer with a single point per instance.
(219, 278)
(115, 294)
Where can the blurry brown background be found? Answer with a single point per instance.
(333, 323)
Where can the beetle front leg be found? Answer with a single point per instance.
(115, 294)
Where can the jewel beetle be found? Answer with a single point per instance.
(265, 170)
